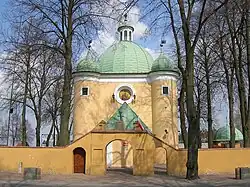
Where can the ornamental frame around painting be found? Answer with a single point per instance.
(123, 87)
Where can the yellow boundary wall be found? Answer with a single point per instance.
(59, 160)
(210, 161)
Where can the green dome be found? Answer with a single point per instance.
(87, 65)
(223, 134)
(163, 63)
(125, 57)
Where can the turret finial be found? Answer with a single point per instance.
(89, 50)
(125, 17)
(89, 46)
(162, 44)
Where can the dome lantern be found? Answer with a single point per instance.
(125, 30)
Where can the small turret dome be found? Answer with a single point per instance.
(163, 63)
(87, 65)
(223, 134)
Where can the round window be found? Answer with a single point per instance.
(124, 93)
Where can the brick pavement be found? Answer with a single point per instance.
(119, 178)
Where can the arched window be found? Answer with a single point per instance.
(120, 36)
(130, 36)
(125, 35)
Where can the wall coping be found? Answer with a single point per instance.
(216, 149)
(28, 147)
(118, 131)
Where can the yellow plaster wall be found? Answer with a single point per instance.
(210, 161)
(98, 106)
(60, 160)
(51, 160)
(223, 160)
(164, 112)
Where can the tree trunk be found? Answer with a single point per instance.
(193, 125)
(38, 123)
(54, 136)
(242, 93)
(50, 133)
(38, 131)
(183, 72)
(23, 120)
(193, 128)
(184, 133)
(209, 104)
(65, 108)
(57, 138)
(56, 131)
(231, 108)
(247, 129)
(198, 109)
(66, 97)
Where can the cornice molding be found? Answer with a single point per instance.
(129, 78)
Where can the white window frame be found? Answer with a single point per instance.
(81, 91)
(162, 90)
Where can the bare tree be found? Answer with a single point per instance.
(247, 23)
(52, 111)
(34, 68)
(234, 11)
(15, 130)
(191, 39)
(69, 23)
(46, 73)
(19, 61)
(209, 74)
(226, 61)
(188, 17)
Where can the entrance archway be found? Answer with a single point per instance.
(160, 163)
(119, 156)
(79, 160)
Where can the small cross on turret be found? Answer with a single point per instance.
(162, 44)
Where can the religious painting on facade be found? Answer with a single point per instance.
(125, 94)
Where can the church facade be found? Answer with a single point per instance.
(126, 89)
(125, 115)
